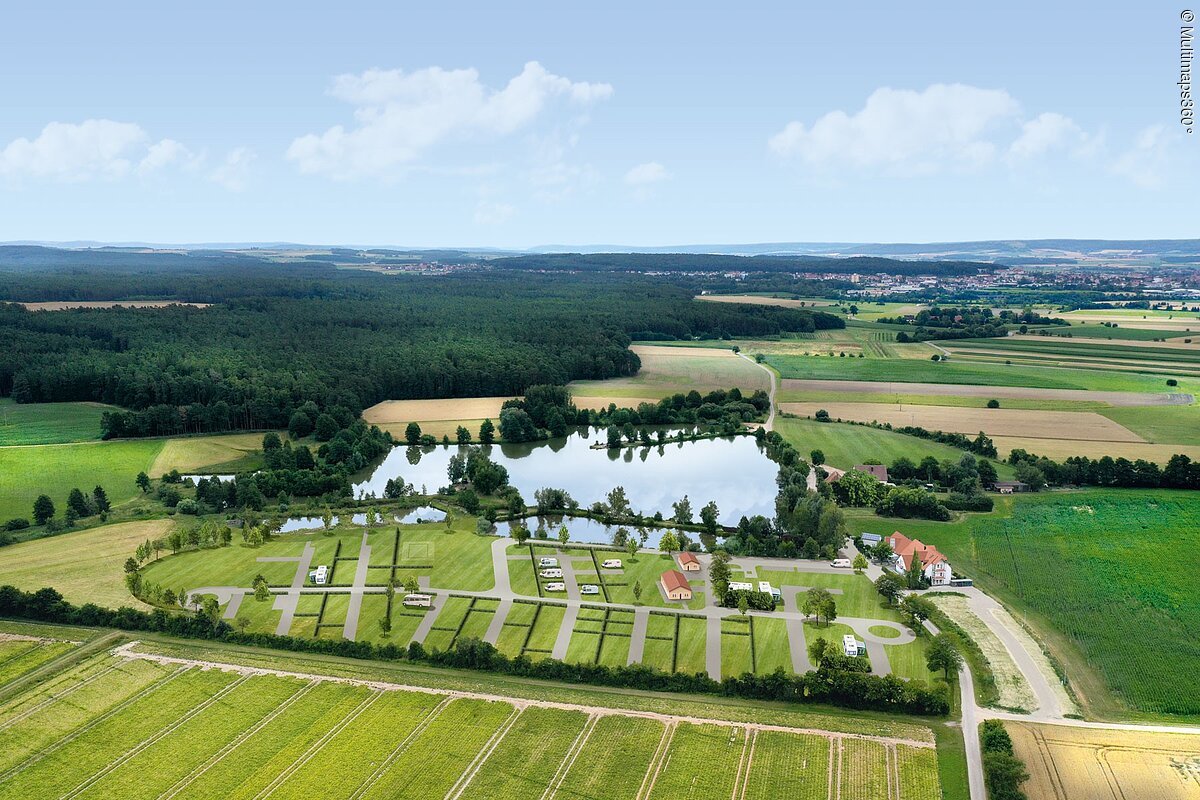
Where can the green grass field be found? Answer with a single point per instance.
(56, 469)
(1121, 584)
(846, 445)
(964, 372)
(49, 423)
(107, 727)
(1164, 424)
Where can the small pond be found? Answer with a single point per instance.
(732, 471)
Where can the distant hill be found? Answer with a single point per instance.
(707, 262)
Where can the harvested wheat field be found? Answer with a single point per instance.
(999, 392)
(666, 370)
(1080, 425)
(63, 305)
(1059, 449)
(451, 408)
(1070, 763)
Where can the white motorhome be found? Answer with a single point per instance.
(555, 587)
(551, 573)
(547, 561)
(320, 575)
(611, 563)
(416, 600)
(589, 588)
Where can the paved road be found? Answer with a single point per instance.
(637, 636)
(350, 628)
(712, 648)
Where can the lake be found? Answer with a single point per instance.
(585, 530)
(732, 471)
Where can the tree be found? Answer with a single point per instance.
(860, 563)
(718, 574)
(637, 591)
(743, 604)
(814, 602)
(385, 624)
(817, 457)
(669, 542)
(131, 565)
(487, 432)
(271, 441)
(143, 481)
(708, 517)
(816, 651)
(993, 403)
(829, 609)
(462, 435)
(683, 511)
(261, 591)
(43, 510)
(327, 518)
(100, 498)
(613, 437)
(326, 428)
(242, 622)
(915, 610)
(78, 504)
(520, 533)
(822, 415)
(943, 655)
(299, 425)
(412, 434)
(411, 584)
(632, 547)
(564, 535)
(889, 587)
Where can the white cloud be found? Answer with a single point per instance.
(646, 174)
(234, 171)
(400, 115)
(905, 132)
(1050, 132)
(488, 212)
(163, 154)
(94, 148)
(1146, 162)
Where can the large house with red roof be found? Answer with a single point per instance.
(934, 566)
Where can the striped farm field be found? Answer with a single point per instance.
(1065, 763)
(1086, 425)
(134, 724)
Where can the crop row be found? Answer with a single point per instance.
(31, 658)
(864, 770)
(789, 765)
(703, 762)
(613, 761)
(59, 769)
(528, 757)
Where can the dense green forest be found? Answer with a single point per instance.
(280, 335)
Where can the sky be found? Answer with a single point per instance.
(528, 124)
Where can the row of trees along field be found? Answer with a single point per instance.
(280, 336)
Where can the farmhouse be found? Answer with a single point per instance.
(832, 474)
(675, 585)
(688, 562)
(934, 566)
(878, 470)
(1008, 487)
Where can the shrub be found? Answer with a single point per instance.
(957, 501)
(16, 524)
(993, 403)
(1172, 382)
(188, 506)
(1003, 772)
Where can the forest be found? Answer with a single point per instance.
(278, 336)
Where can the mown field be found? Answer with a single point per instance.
(1066, 763)
(1108, 575)
(847, 445)
(111, 727)
(49, 423)
(972, 373)
(666, 370)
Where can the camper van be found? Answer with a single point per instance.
(415, 600)
(766, 588)
(320, 575)
(611, 563)
(550, 573)
(841, 563)
(555, 587)
(589, 588)
(852, 647)
(547, 561)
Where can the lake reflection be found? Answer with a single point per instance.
(732, 471)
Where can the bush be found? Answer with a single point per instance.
(1172, 382)
(993, 403)
(188, 506)
(957, 501)
(758, 601)
(912, 503)
(16, 524)
(1003, 772)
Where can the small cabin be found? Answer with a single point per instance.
(688, 562)
(675, 585)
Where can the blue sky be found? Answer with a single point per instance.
(516, 125)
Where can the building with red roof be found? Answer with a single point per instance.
(675, 585)
(934, 566)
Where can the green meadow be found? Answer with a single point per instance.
(49, 423)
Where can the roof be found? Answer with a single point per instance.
(832, 473)
(688, 557)
(673, 580)
(878, 470)
(1013, 484)
(907, 549)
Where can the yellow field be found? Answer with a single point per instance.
(759, 300)
(86, 566)
(452, 408)
(1059, 449)
(667, 370)
(1131, 319)
(1067, 763)
(63, 305)
(201, 452)
(1081, 425)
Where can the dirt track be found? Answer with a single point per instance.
(999, 392)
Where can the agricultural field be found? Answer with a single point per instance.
(56, 469)
(977, 373)
(847, 445)
(1085, 425)
(224, 453)
(667, 370)
(137, 724)
(1065, 763)
(771, 300)
(1122, 583)
(64, 305)
(1014, 691)
(85, 566)
(49, 423)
